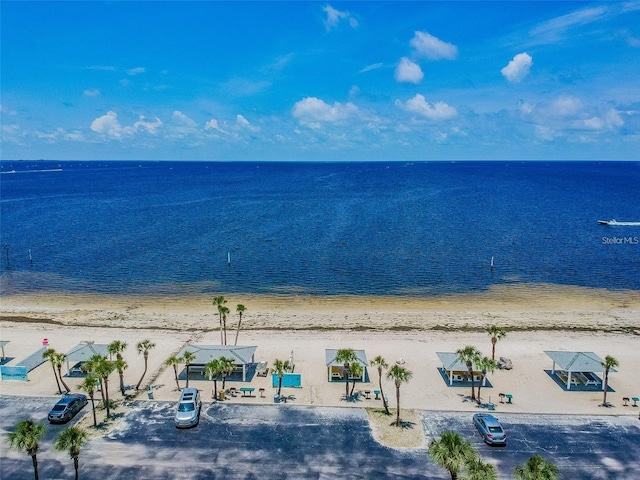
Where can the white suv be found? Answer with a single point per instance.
(188, 411)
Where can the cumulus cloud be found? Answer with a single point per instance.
(428, 46)
(312, 110)
(213, 125)
(566, 106)
(518, 68)
(91, 93)
(182, 119)
(436, 111)
(335, 16)
(109, 126)
(409, 72)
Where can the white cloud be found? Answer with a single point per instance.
(135, 71)
(244, 124)
(182, 119)
(109, 126)
(518, 68)
(436, 111)
(213, 125)
(92, 93)
(409, 72)
(566, 106)
(368, 68)
(428, 46)
(312, 110)
(334, 16)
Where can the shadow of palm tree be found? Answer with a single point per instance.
(403, 424)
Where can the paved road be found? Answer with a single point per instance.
(292, 442)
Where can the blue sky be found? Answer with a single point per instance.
(320, 80)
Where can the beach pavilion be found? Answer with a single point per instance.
(335, 369)
(242, 356)
(576, 368)
(82, 353)
(456, 370)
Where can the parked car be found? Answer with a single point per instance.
(188, 409)
(490, 429)
(67, 407)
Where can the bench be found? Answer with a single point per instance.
(247, 390)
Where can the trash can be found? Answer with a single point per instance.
(150, 394)
(276, 398)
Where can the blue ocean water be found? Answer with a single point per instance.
(417, 229)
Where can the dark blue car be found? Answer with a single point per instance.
(490, 429)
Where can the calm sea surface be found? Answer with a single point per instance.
(316, 228)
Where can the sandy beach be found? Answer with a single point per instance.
(406, 330)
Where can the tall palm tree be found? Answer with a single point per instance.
(120, 365)
(346, 356)
(227, 366)
(224, 311)
(103, 369)
(58, 360)
(496, 333)
(356, 372)
(608, 364)
(116, 348)
(88, 386)
(219, 302)
(469, 355)
(536, 468)
(26, 437)
(212, 370)
(485, 365)
(479, 470)
(399, 375)
(240, 309)
(49, 354)
(380, 363)
(174, 361)
(451, 452)
(72, 440)
(187, 358)
(144, 347)
(91, 366)
(280, 368)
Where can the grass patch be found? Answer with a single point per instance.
(409, 434)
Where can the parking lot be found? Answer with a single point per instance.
(290, 442)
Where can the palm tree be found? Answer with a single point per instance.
(227, 366)
(72, 440)
(496, 333)
(25, 437)
(88, 385)
(608, 364)
(187, 358)
(116, 348)
(144, 347)
(479, 470)
(240, 309)
(103, 369)
(120, 365)
(219, 302)
(399, 375)
(91, 366)
(58, 361)
(469, 355)
(381, 363)
(356, 372)
(485, 365)
(49, 354)
(346, 356)
(224, 311)
(212, 370)
(174, 361)
(451, 452)
(280, 368)
(536, 468)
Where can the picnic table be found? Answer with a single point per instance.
(247, 390)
